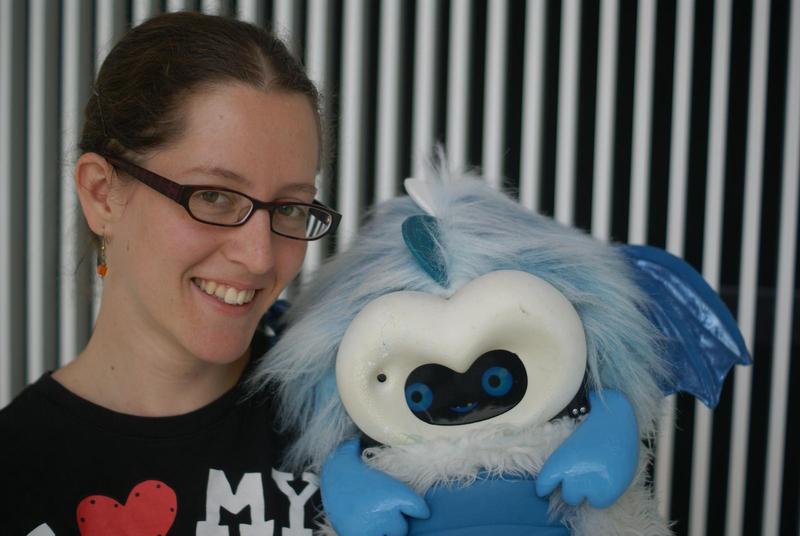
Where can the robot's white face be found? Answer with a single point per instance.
(506, 348)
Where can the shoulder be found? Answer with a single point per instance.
(25, 410)
(29, 436)
(32, 425)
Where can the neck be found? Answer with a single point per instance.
(126, 371)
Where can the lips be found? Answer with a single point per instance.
(225, 293)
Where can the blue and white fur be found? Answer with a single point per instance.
(481, 231)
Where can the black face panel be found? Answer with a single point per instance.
(495, 383)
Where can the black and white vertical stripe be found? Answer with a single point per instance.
(671, 122)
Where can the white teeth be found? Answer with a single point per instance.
(229, 295)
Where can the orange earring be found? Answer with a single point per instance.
(102, 267)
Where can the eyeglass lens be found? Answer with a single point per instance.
(229, 208)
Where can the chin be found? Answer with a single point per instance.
(220, 350)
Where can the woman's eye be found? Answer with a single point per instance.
(419, 397)
(292, 211)
(497, 381)
(213, 197)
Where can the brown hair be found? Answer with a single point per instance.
(136, 102)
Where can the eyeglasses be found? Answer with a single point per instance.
(229, 208)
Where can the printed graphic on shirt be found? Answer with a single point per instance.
(249, 493)
(150, 509)
(42, 530)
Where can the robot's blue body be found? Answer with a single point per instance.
(507, 506)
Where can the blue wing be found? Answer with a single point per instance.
(703, 340)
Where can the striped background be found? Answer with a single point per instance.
(672, 122)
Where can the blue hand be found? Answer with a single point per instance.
(361, 501)
(598, 461)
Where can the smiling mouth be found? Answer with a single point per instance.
(225, 293)
(464, 408)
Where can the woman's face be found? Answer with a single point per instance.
(264, 144)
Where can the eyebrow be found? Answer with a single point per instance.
(220, 172)
(301, 187)
(232, 175)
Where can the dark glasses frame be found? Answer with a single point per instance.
(181, 193)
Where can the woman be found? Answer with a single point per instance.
(201, 136)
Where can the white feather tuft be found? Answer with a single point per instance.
(420, 191)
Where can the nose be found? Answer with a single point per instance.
(253, 245)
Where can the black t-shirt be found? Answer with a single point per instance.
(68, 466)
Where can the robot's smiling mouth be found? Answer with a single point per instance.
(495, 383)
(465, 408)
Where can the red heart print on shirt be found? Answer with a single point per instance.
(149, 511)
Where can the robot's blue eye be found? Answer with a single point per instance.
(419, 397)
(497, 381)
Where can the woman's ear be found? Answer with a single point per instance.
(93, 176)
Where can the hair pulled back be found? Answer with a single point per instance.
(138, 95)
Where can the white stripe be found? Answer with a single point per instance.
(717, 138)
(740, 416)
(251, 11)
(285, 22)
(533, 100)
(424, 113)
(604, 126)
(679, 157)
(7, 357)
(75, 307)
(12, 195)
(715, 191)
(679, 138)
(387, 165)
(638, 219)
(665, 447)
(712, 240)
(748, 275)
(214, 7)
(785, 290)
(458, 78)
(318, 45)
(494, 139)
(179, 5)
(42, 188)
(143, 10)
(568, 78)
(640, 152)
(110, 24)
(351, 163)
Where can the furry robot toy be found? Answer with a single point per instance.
(470, 368)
